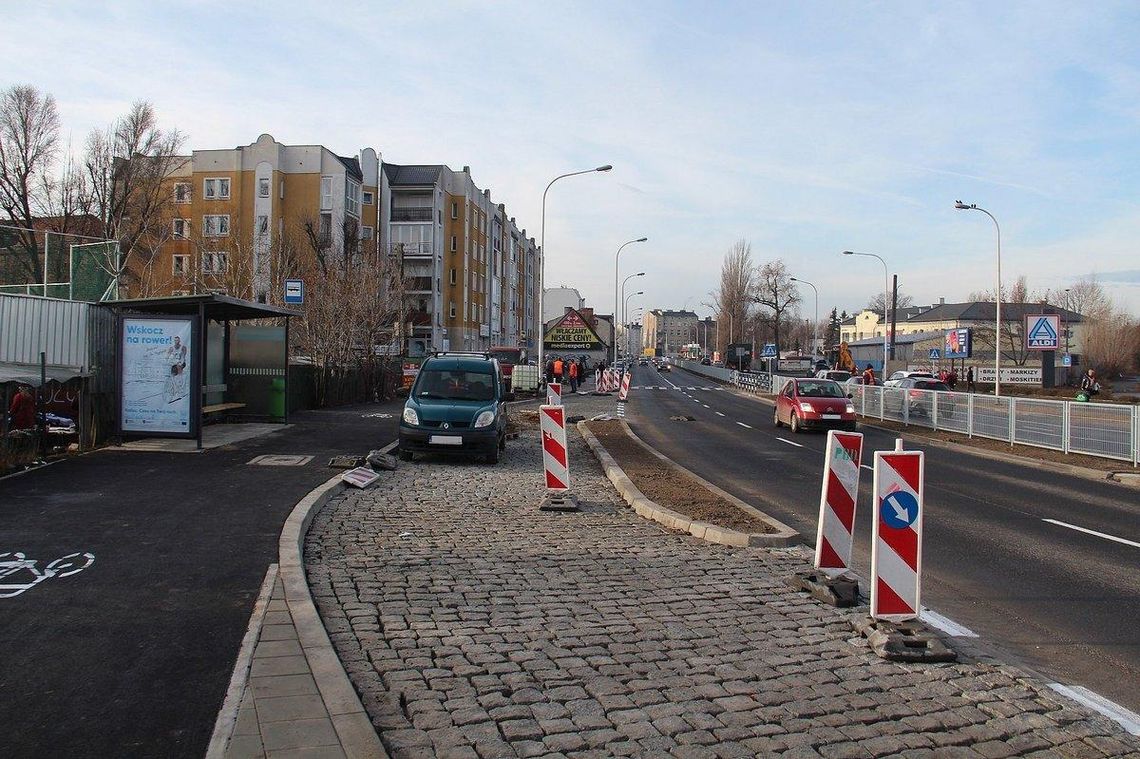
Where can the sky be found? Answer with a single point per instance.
(806, 128)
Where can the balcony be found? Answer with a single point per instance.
(420, 285)
(412, 214)
(412, 249)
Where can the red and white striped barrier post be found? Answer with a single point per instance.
(555, 461)
(896, 535)
(597, 380)
(837, 500)
(624, 394)
(553, 393)
(611, 380)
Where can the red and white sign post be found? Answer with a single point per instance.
(554, 393)
(896, 535)
(624, 394)
(555, 460)
(837, 499)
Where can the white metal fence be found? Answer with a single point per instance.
(1099, 429)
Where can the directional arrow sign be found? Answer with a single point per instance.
(900, 509)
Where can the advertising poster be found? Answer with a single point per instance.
(572, 333)
(958, 344)
(156, 391)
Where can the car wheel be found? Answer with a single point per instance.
(502, 442)
(492, 457)
(406, 455)
(794, 422)
(776, 419)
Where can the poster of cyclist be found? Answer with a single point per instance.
(157, 375)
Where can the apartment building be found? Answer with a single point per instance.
(232, 210)
(667, 330)
(472, 273)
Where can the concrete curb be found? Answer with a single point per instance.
(784, 535)
(353, 727)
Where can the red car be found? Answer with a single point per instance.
(814, 404)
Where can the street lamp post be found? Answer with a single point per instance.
(997, 297)
(623, 282)
(815, 326)
(625, 304)
(886, 295)
(617, 257)
(542, 254)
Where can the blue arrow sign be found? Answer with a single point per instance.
(899, 509)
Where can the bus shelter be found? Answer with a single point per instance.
(189, 360)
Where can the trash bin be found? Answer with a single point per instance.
(277, 397)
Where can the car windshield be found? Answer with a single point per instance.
(819, 389)
(456, 385)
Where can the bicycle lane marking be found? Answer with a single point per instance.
(15, 563)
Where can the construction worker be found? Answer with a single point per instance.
(558, 366)
(573, 376)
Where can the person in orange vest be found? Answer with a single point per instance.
(573, 376)
(869, 375)
(558, 369)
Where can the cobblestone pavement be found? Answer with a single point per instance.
(474, 625)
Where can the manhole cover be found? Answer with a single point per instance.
(277, 459)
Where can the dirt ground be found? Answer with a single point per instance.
(667, 487)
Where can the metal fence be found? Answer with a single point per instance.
(1108, 430)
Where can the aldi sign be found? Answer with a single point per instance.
(1042, 332)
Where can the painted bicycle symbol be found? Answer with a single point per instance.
(28, 575)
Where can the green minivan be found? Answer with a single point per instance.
(457, 405)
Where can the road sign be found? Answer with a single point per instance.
(553, 393)
(896, 540)
(1067, 359)
(935, 354)
(294, 291)
(1042, 331)
(769, 351)
(837, 501)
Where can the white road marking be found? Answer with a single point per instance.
(789, 442)
(742, 424)
(1087, 531)
(719, 414)
(705, 405)
(1129, 720)
(946, 625)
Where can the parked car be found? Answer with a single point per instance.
(833, 374)
(706, 362)
(643, 362)
(919, 402)
(814, 403)
(458, 405)
(857, 379)
(893, 380)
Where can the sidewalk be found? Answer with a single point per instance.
(474, 625)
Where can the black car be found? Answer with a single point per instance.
(921, 403)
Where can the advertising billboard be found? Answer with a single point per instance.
(958, 343)
(157, 373)
(1042, 332)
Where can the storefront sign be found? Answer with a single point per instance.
(1013, 375)
(157, 375)
(572, 333)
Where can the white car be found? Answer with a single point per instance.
(893, 380)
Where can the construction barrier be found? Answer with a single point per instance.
(553, 393)
(896, 535)
(555, 460)
(837, 499)
(624, 394)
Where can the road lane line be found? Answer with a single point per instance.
(946, 625)
(719, 414)
(1129, 720)
(742, 424)
(789, 442)
(705, 405)
(1087, 531)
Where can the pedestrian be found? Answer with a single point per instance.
(970, 380)
(1089, 383)
(573, 376)
(549, 371)
(23, 409)
(952, 379)
(558, 367)
(869, 375)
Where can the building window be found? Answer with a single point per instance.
(453, 243)
(217, 188)
(325, 229)
(182, 192)
(352, 199)
(262, 225)
(263, 187)
(180, 228)
(215, 263)
(216, 225)
(452, 310)
(181, 265)
(454, 210)
(366, 233)
(281, 189)
(369, 198)
(452, 278)
(326, 193)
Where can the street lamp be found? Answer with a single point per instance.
(815, 326)
(625, 307)
(542, 254)
(886, 293)
(997, 320)
(631, 276)
(617, 256)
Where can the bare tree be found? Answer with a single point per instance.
(1086, 297)
(776, 292)
(29, 142)
(128, 166)
(733, 297)
(876, 303)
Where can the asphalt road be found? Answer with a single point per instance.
(1062, 601)
(132, 656)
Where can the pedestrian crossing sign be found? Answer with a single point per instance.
(1041, 331)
